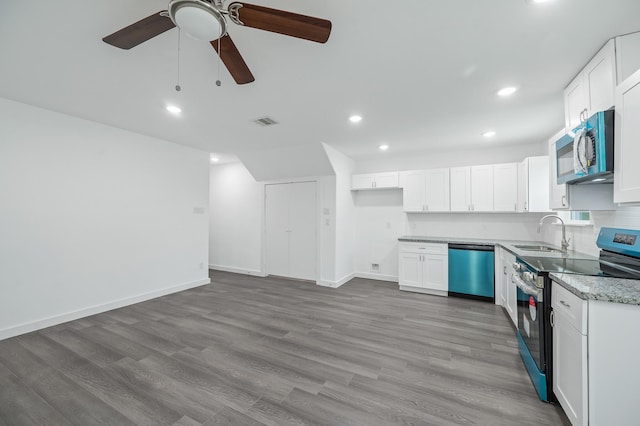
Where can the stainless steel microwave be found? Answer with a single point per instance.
(585, 155)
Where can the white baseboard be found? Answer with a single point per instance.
(339, 283)
(96, 309)
(424, 291)
(237, 270)
(379, 277)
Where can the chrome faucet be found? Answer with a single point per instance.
(565, 242)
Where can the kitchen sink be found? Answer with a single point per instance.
(538, 247)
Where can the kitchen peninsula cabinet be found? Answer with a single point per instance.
(595, 354)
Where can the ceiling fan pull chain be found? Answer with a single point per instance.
(218, 82)
(178, 88)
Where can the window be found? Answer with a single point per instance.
(577, 218)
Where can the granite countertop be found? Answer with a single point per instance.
(618, 290)
(509, 245)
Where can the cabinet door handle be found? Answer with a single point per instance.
(426, 207)
(504, 270)
(565, 304)
(525, 206)
(552, 319)
(515, 207)
(564, 200)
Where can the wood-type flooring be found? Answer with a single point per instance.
(266, 351)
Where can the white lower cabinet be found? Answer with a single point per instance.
(511, 291)
(424, 268)
(570, 354)
(595, 350)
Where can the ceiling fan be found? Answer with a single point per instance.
(207, 20)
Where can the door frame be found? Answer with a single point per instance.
(318, 218)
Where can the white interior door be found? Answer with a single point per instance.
(277, 227)
(290, 223)
(302, 227)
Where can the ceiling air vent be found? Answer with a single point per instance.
(265, 121)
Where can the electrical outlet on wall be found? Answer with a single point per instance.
(375, 267)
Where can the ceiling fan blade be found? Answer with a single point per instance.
(232, 59)
(141, 31)
(279, 21)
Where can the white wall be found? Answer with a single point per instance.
(93, 218)
(236, 220)
(380, 219)
(486, 154)
(345, 216)
(379, 223)
(583, 238)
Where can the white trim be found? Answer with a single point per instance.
(336, 284)
(424, 290)
(379, 277)
(96, 309)
(234, 270)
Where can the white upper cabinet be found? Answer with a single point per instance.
(558, 195)
(627, 141)
(482, 191)
(375, 181)
(414, 188)
(593, 89)
(437, 190)
(627, 55)
(460, 179)
(533, 184)
(574, 102)
(426, 190)
(472, 189)
(505, 187)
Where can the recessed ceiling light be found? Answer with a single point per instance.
(537, 1)
(174, 109)
(355, 119)
(383, 147)
(489, 134)
(214, 159)
(507, 91)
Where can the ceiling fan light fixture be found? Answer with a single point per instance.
(198, 19)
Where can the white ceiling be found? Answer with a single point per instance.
(422, 73)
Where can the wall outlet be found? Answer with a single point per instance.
(375, 267)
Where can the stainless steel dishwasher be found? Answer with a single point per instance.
(471, 271)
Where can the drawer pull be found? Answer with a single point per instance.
(565, 304)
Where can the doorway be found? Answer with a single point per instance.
(291, 230)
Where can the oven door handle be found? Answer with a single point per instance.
(526, 288)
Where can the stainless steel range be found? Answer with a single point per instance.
(619, 258)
